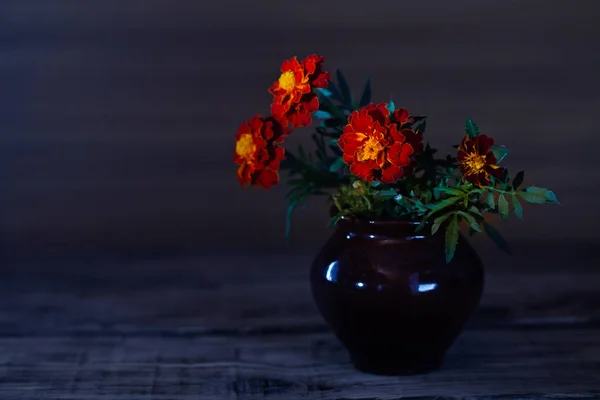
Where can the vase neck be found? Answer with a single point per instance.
(397, 228)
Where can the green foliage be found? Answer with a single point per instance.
(538, 195)
(490, 201)
(345, 89)
(391, 107)
(434, 194)
(496, 237)
(471, 129)
(517, 207)
(503, 206)
(518, 180)
(365, 99)
(451, 237)
(499, 152)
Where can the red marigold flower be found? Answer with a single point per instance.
(477, 161)
(257, 151)
(375, 144)
(294, 99)
(404, 121)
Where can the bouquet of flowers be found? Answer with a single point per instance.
(370, 160)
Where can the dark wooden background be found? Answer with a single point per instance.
(117, 116)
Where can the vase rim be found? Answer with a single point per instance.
(379, 222)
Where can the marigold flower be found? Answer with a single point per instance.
(294, 99)
(375, 143)
(477, 161)
(257, 151)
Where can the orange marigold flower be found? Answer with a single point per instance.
(257, 151)
(477, 161)
(294, 99)
(375, 144)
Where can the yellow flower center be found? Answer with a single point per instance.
(475, 162)
(287, 81)
(245, 146)
(370, 150)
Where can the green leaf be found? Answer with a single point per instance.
(391, 107)
(551, 197)
(490, 200)
(420, 126)
(323, 92)
(499, 152)
(518, 180)
(320, 114)
(470, 220)
(328, 105)
(503, 206)
(451, 238)
(538, 195)
(337, 164)
(517, 207)
(386, 194)
(334, 92)
(476, 211)
(375, 183)
(436, 207)
(448, 190)
(366, 96)
(333, 142)
(471, 129)
(496, 237)
(346, 95)
(439, 221)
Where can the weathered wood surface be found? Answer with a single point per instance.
(245, 327)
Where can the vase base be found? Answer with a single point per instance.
(398, 366)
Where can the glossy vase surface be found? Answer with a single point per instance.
(391, 298)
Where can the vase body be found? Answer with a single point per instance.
(390, 297)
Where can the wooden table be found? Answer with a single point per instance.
(245, 327)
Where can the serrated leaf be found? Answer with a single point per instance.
(499, 152)
(517, 207)
(476, 211)
(503, 206)
(451, 237)
(538, 195)
(366, 95)
(496, 237)
(320, 114)
(471, 129)
(490, 200)
(391, 107)
(518, 180)
(337, 164)
(433, 208)
(439, 221)
(470, 220)
(345, 89)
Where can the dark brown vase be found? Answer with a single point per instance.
(391, 298)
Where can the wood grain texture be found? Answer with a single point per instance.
(202, 327)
